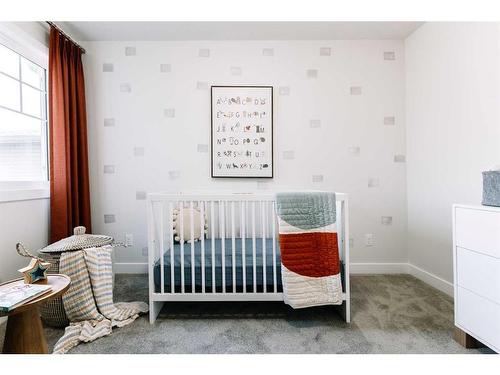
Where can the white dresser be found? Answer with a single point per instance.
(476, 268)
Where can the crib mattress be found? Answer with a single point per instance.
(218, 267)
(228, 266)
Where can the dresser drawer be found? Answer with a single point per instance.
(478, 230)
(479, 316)
(479, 273)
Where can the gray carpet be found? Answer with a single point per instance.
(390, 314)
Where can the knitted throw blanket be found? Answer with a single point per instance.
(310, 265)
(89, 299)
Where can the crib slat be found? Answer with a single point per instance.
(263, 210)
(233, 243)
(181, 213)
(191, 221)
(171, 239)
(273, 218)
(162, 249)
(222, 226)
(212, 224)
(202, 229)
(242, 234)
(254, 250)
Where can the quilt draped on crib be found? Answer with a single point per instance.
(310, 264)
(89, 299)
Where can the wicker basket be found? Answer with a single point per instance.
(52, 313)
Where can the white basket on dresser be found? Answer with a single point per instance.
(476, 270)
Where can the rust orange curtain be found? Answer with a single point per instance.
(69, 170)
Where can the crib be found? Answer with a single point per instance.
(238, 258)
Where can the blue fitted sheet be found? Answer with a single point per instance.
(228, 266)
(218, 266)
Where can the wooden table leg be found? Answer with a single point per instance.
(24, 334)
(466, 340)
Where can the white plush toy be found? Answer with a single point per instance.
(197, 229)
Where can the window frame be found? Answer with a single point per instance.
(36, 52)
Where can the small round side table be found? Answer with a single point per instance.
(24, 333)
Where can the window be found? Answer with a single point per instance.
(23, 118)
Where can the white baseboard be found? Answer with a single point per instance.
(431, 279)
(355, 268)
(378, 268)
(130, 267)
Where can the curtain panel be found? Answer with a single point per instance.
(68, 152)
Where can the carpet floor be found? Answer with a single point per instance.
(390, 314)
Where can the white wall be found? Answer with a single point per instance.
(121, 120)
(21, 221)
(453, 131)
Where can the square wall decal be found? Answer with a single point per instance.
(317, 178)
(386, 220)
(399, 158)
(125, 87)
(325, 51)
(138, 151)
(354, 150)
(389, 55)
(173, 175)
(109, 169)
(312, 73)
(202, 85)
(236, 71)
(284, 90)
(373, 182)
(107, 67)
(109, 122)
(109, 218)
(204, 52)
(268, 52)
(202, 148)
(356, 90)
(262, 185)
(130, 51)
(165, 68)
(169, 112)
(140, 195)
(389, 120)
(315, 124)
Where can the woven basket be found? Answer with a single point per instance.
(52, 313)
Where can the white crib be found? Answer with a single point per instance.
(231, 263)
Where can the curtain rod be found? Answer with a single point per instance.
(65, 35)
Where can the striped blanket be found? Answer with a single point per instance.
(310, 265)
(89, 299)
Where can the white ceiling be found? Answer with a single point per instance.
(155, 31)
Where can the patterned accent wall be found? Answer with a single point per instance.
(338, 125)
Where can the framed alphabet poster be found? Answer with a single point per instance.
(242, 131)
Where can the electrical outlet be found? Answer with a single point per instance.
(129, 239)
(369, 239)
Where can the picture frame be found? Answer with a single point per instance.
(241, 132)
